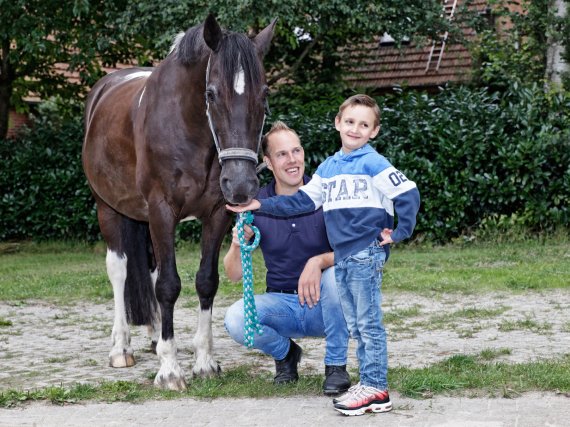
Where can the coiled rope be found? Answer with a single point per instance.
(251, 323)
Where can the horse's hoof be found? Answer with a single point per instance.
(170, 382)
(123, 360)
(153, 345)
(211, 370)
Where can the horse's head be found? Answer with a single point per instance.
(236, 100)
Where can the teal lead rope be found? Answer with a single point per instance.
(251, 323)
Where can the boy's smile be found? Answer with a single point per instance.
(356, 127)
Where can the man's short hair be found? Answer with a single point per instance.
(277, 126)
(364, 100)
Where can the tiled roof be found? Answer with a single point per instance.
(371, 65)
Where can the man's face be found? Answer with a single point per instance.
(286, 159)
(356, 127)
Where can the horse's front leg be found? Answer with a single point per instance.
(167, 288)
(214, 229)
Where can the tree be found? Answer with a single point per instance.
(86, 34)
(556, 65)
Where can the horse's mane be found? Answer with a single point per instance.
(235, 50)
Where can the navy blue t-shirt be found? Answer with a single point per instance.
(287, 243)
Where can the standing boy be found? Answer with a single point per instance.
(360, 191)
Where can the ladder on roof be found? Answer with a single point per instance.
(438, 46)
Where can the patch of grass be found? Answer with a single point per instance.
(235, 383)
(463, 373)
(4, 323)
(399, 315)
(457, 375)
(479, 267)
(67, 272)
(525, 324)
(491, 353)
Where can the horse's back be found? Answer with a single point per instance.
(109, 157)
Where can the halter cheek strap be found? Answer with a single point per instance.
(230, 153)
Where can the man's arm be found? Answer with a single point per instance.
(309, 289)
(232, 260)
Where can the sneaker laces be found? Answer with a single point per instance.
(365, 392)
(352, 390)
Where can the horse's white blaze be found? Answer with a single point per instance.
(239, 81)
(203, 343)
(117, 272)
(136, 75)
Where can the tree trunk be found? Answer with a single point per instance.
(6, 79)
(556, 66)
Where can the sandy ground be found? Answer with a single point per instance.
(54, 345)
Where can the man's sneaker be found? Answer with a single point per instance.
(346, 395)
(365, 399)
(286, 369)
(337, 380)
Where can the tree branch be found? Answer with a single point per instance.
(297, 63)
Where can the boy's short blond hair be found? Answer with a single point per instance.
(364, 100)
(277, 126)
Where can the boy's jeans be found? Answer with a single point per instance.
(282, 317)
(359, 279)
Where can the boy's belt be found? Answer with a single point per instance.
(282, 291)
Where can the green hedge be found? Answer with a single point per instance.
(44, 193)
(477, 157)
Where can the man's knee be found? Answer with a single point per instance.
(233, 320)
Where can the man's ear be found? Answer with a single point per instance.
(268, 163)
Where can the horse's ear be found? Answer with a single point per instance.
(212, 33)
(263, 39)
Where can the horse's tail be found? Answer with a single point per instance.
(140, 300)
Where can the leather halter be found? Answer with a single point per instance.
(230, 153)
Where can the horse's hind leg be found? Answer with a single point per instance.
(129, 264)
(121, 354)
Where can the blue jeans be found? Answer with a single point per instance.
(282, 317)
(359, 279)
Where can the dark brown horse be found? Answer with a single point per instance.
(163, 145)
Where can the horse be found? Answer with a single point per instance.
(163, 145)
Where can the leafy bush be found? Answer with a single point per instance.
(474, 154)
(44, 193)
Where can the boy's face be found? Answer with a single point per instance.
(356, 127)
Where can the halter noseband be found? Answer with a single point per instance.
(230, 153)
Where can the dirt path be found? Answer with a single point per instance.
(53, 345)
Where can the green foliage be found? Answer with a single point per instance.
(44, 194)
(476, 154)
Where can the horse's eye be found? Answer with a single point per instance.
(210, 95)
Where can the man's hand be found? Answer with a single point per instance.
(251, 206)
(247, 233)
(309, 290)
(386, 235)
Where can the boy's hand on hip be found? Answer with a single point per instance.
(386, 235)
